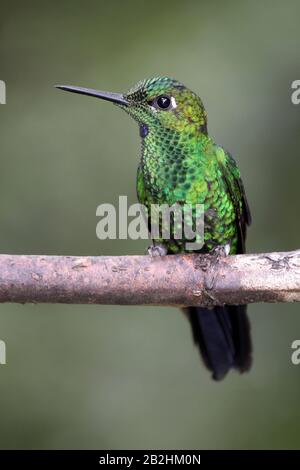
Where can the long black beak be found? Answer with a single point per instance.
(104, 95)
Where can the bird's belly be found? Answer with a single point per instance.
(218, 226)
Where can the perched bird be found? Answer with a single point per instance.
(181, 164)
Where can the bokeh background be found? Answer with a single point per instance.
(130, 377)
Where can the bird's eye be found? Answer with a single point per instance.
(164, 102)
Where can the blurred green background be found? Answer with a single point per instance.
(130, 377)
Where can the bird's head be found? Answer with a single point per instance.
(157, 103)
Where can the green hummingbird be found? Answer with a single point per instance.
(181, 164)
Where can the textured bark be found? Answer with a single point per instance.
(141, 280)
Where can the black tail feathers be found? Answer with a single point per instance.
(223, 338)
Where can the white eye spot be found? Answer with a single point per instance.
(154, 109)
(173, 102)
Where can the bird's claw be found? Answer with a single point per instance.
(157, 250)
(221, 250)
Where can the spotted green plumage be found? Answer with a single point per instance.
(181, 164)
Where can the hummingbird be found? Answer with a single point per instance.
(181, 164)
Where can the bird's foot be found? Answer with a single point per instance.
(221, 250)
(157, 250)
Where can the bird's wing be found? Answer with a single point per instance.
(235, 187)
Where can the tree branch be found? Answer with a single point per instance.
(177, 280)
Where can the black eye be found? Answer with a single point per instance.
(163, 102)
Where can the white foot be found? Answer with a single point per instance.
(222, 250)
(157, 250)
